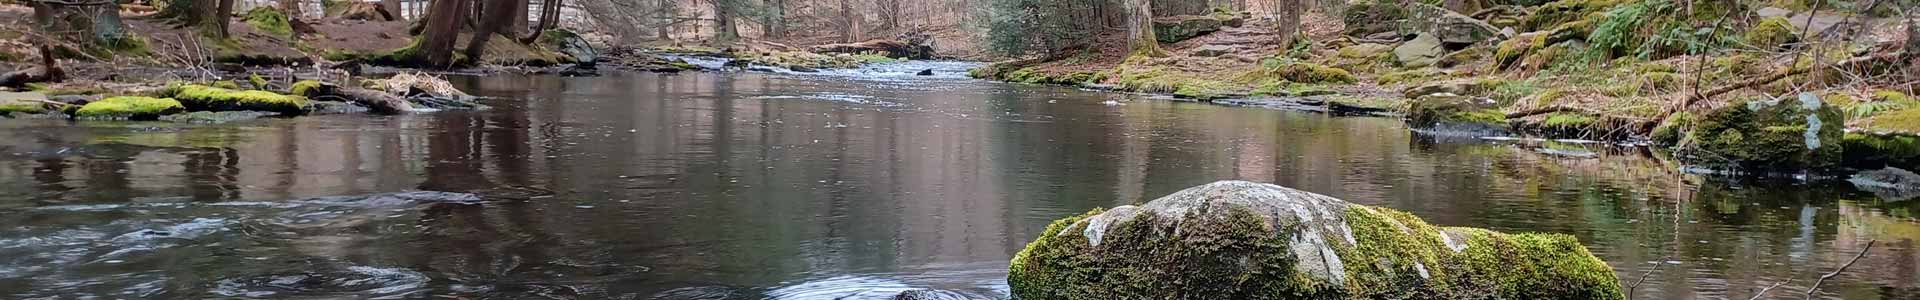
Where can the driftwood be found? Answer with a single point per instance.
(47, 71)
(890, 48)
(378, 101)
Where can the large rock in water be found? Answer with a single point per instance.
(1787, 135)
(1245, 240)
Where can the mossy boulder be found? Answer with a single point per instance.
(1561, 12)
(1772, 33)
(1788, 135)
(1449, 113)
(1174, 29)
(1450, 27)
(1299, 72)
(207, 98)
(269, 20)
(1245, 240)
(1364, 17)
(129, 108)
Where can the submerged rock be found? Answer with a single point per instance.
(1245, 240)
(212, 117)
(927, 72)
(1891, 184)
(1788, 135)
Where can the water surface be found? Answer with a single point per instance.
(846, 185)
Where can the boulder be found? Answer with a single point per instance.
(1453, 111)
(927, 72)
(1174, 29)
(1420, 52)
(1451, 27)
(571, 44)
(1891, 184)
(1245, 240)
(356, 10)
(1468, 87)
(1787, 135)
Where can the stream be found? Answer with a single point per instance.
(843, 184)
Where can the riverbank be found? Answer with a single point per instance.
(1641, 72)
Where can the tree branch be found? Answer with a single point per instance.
(1836, 272)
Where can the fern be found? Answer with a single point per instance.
(1869, 109)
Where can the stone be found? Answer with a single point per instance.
(22, 103)
(1246, 240)
(1420, 52)
(1213, 50)
(1454, 87)
(803, 69)
(1890, 183)
(924, 294)
(1174, 29)
(1770, 12)
(216, 117)
(1452, 111)
(1760, 137)
(927, 72)
(1451, 27)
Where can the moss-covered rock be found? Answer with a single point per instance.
(1180, 28)
(1875, 150)
(1564, 11)
(1670, 132)
(206, 98)
(1771, 33)
(270, 20)
(1244, 240)
(1447, 112)
(305, 88)
(1790, 135)
(1298, 71)
(129, 108)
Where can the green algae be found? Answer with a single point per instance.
(129, 108)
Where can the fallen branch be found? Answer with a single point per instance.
(1643, 279)
(1836, 272)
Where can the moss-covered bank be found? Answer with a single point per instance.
(1243, 240)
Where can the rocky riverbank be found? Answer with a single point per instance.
(1699, 78)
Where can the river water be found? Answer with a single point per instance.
(853, 185)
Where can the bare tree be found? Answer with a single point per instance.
(1140, 38)
(1287, 20)
(222, 16)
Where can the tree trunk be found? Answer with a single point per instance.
(443, 29)
(291, 8)
(850, 30)
(1287, 20)
(1140, 38)
(495, 15)
(724, 29)
(518, 17)
(222, 16)
(775, 24)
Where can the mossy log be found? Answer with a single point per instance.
(380, 102)
(1245, 240)
(207, 98)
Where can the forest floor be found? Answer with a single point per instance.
(1530, 84)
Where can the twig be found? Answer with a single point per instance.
(1700, 60)
(1805, 29)
(1643, 279)
(1836, 272)
(1763, 292)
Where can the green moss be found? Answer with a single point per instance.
(873, 58)
(1771, 33)
(305, 88)
(1415, 76)
(1893, 96)
(1203, 90)
(225, 84)
(22, 108)
(259, 83)
(1675, 127)
(1484, 116)
(1298, 71)
(206, 98)
(1394, 248)
(130, 108)
(1767, 137)
(1511, 50)
(1872, 151)
(1567, 121)
(270, 20)
(1904, 120)
(1240, 255)
(1560, 12)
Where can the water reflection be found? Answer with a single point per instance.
(786, 186)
